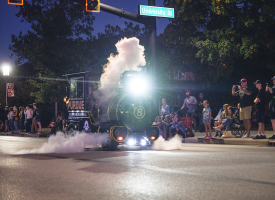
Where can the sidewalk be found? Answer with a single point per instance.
(24, 134)
(233, 141)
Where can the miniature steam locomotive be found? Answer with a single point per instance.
(127, 116)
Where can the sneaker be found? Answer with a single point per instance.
(273, 137)
(206, 136)
(263, 136)
(246, 136)
(217, 128)
(38, 133)
(258, 137)
(209, 136)
(217, 134)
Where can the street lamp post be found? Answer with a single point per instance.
(6, 73)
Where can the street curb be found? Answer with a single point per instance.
(24, 135)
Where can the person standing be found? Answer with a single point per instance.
(260, 109)
(271, 92)
(34, 122)
(190, 102)
(6, 119)
(10, 118)
(207, 114)
(15, 118)
(200, 109)
(245, 104)
(164, 108)
(38, 117)
(29, 113)
(22, 118)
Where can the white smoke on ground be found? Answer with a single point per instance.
(172, 144)
(61, 143)
(130, 56)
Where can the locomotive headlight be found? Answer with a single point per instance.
(138, 85)
(131, 142)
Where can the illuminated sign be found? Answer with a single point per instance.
(155, 11)
(75, 105)
(15, 2)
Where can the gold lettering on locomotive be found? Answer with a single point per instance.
(139, 112)
(75, 105)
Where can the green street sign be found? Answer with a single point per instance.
(155, 11)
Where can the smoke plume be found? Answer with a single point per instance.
(60, 143)
(172, 144)
(130, 56)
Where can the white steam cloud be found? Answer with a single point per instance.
(172, 144)
(130, 56)
(61, 143)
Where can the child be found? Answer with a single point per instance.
(207, 114)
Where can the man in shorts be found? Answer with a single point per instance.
(260, 109)
(271, 91)
(190, 102)
(245, 104)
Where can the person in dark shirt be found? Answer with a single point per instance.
(245, 104)
(260, 109)
(34, 122)
(6, 119)
(271, 92)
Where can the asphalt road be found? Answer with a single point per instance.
(197, 171)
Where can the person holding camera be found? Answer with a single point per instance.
(245, 104)
(271, 91)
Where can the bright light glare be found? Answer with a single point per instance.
(138, 85)
(143, 142)
(131, 142)
(6, 69)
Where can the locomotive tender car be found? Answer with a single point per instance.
(127, 116)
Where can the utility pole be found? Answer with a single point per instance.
(152, 41)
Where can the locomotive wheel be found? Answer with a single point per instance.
(110, 146)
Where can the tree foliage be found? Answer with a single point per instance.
(222, 38)
(59, 43)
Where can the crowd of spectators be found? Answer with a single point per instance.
(170, 123)
(25, 119)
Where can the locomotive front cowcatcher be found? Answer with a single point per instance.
(127, 118)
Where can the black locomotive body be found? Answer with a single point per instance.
(126, 117)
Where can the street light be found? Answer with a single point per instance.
(6, 73)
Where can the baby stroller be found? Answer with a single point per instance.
(237, 127)
(187, 123)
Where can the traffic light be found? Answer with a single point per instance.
(92, 5)
(15, 2)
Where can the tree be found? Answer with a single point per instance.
(59, 43)
(222, 38)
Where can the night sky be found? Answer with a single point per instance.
(10, 24)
